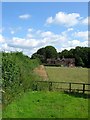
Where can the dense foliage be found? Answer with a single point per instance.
(44, 53)
(81, 55)
(17, 74)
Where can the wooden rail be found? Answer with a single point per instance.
(70, 89)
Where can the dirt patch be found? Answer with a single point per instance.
(41, 72)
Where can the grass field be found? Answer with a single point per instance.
(67, 74)
(47, 105)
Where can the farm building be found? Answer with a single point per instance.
(69, 62)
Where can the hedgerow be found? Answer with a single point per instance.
(17, 75)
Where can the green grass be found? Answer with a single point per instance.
(47, 105)
(66, 74)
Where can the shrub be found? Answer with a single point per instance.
(17, 74)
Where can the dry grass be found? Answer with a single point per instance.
(41, 72)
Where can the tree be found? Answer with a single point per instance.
(79, 61)
(81, 55)
(41, 51)
(42, 54)
(71, 53)
(64, 53)
(51, 52)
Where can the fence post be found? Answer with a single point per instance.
(50, 86)
(69, 87)
(34, 87)
(83, 88)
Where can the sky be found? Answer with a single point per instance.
(28, 26)
(45, 0)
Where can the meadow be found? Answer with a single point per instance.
(52, 104)
(40, 104)
(67, 74)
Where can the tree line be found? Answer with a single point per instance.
(81, 55)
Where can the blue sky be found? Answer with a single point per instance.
(45, 0)
(28, 26)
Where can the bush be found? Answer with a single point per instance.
(56, 65)
(17, 74)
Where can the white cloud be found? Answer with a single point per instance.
(29, 35)
(68, 19)
(5, 47)
(82, 34)
(12, 32)
(2, 39)
(38, 32)
(47, 34)
(62, 18)
(72, 44)
(70, 29)
(37, 39)
(24, 43)
(49, 37)
(86, 21)
(25, 16)
(30, 29)
(49, 20)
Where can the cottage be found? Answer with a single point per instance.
(69, 62)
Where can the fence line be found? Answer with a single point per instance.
(70, 89)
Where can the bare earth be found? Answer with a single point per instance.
(41, 72)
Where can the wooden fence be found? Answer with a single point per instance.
(84, 86)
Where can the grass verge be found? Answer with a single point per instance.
(47, 105)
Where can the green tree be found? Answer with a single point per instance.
(42, 51)
(51, 52)
(64, 53)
